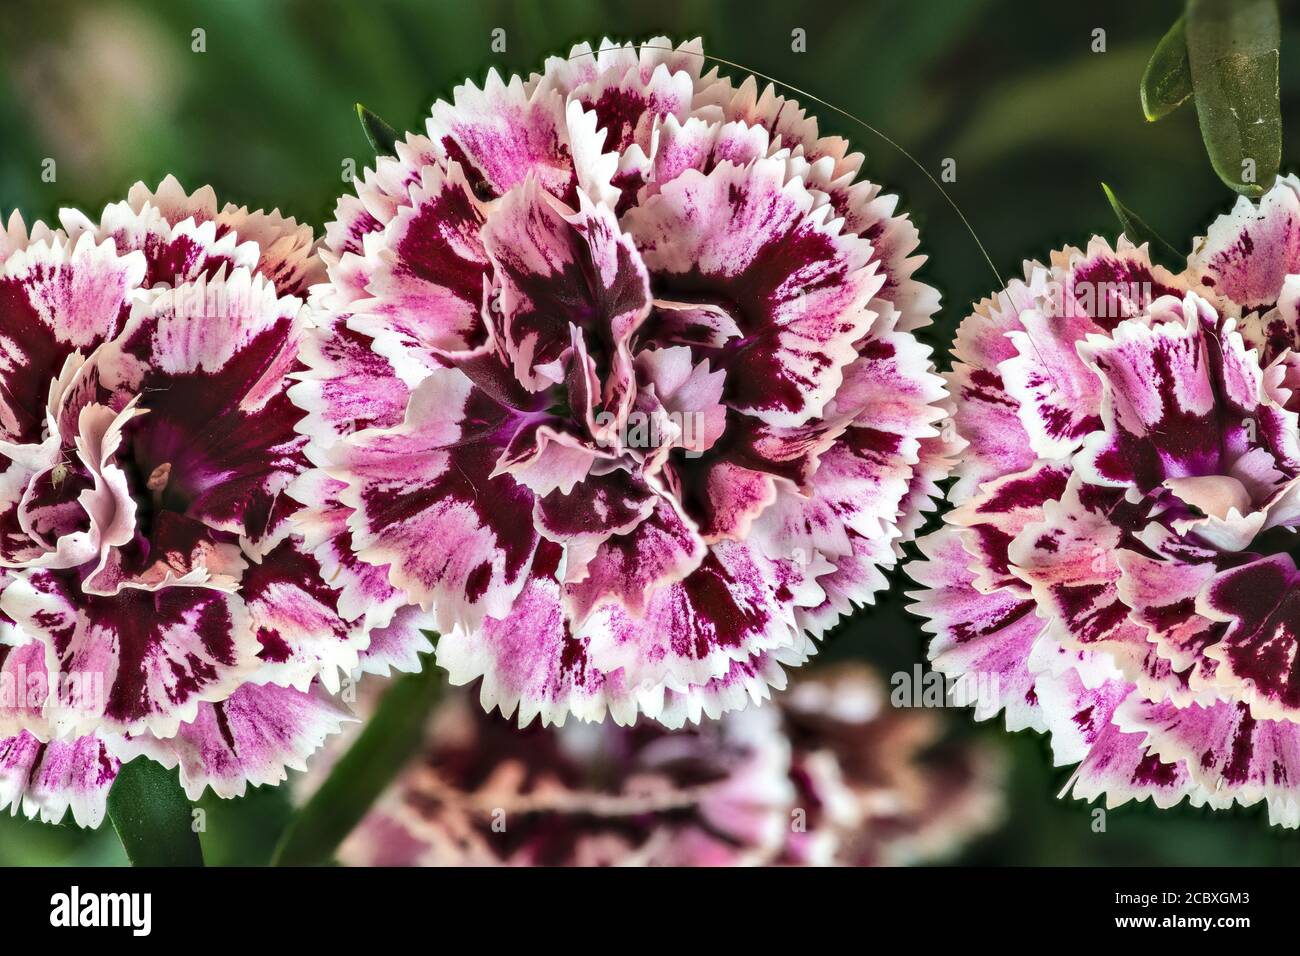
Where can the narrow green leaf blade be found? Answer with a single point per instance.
(1233, 52)
(153, 817)
(1167, 80)
(391, 737)
(382, 137)
(1136, 228)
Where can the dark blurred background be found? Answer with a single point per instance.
(1012, 91)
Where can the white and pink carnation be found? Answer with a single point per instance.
(614, 377)
(1120, 570)
(156, 596)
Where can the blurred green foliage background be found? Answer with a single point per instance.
(1011, 90)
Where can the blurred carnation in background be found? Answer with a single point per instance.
(95, 93)
(830, 774)
(257, 97)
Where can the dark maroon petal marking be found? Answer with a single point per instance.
(1261, 602)
(54, 302)
(155, 653)
(427, 501)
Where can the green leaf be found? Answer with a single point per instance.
(244, 831)
(1136, 228)
(1233, 50)
(382, 137)
(152, 816)
(390, 738)
(1167, 80)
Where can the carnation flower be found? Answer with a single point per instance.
(830, 774)
(1119, 572)
(155, 597)
(614, 377)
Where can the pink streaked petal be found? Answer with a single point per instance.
(856, 489)
(176, 252)
(1078, 716)
(456, 540)
(801, 284)
(583, 64)
(1162, 593)
(628, 567)
(730, 498)
(363, 589)
(546, 456)
(1120, 768)
(56, 298)
(1159, 401)
(502, 133)
(146, 658)
(564, 74)
(937, 458)
(1226, 750)
(399, 645)
(345, 236)
(628, 106)
(558, 267)
(689, 392)
(782, 117)
(254, 736)
(209, 363)
(892, 387)
(690, 323)
(790, 454)
(602, 506)
(286, 247)
(427, 285)
(746, 684)
(1260, 604)
(1238, 368)
(735, 605)
(295, 614)
(346, 386)
(982, 341)
(1069, 561)
(107, 518)
(1248, 253)
(16, 543)
(905, 303)
(1275, 333)
(1279, 424)
(987, 418)
(530, 660)
(24, 687)
(1108, 285)
(1059, 397)
(359, 219)
(1000, 511)
(700, 144)
(984, 639)
(47, 779)
(854, 582)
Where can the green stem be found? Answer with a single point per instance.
(390, 738)
(153, 817)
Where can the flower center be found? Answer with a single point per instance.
(152, 490)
